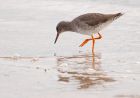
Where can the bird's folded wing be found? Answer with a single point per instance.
(93, 19)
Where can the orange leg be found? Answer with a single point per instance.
(100, 36)
(86, 40)
(93, 42)
(83, 43)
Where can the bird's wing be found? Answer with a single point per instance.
(93, 19)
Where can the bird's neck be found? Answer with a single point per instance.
(69, 26)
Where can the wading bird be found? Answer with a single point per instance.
(87, 24)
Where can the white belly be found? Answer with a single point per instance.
(89, 30)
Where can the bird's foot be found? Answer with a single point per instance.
(99, 36)
(87, 40)
(83, 43)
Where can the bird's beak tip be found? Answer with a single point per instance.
(56, 38)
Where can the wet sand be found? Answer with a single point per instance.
(68, 76)
(31, 66)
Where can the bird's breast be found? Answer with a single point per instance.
(89, 30)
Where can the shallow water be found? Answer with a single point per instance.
(32, 66)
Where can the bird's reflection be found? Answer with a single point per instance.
(79, 69)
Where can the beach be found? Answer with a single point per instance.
(32, 66)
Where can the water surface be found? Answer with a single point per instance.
(32, 66)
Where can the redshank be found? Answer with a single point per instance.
(87, 24)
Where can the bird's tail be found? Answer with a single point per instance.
(118, 15)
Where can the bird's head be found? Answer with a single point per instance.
(62, 27)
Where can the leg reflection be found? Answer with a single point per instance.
(77, 69)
